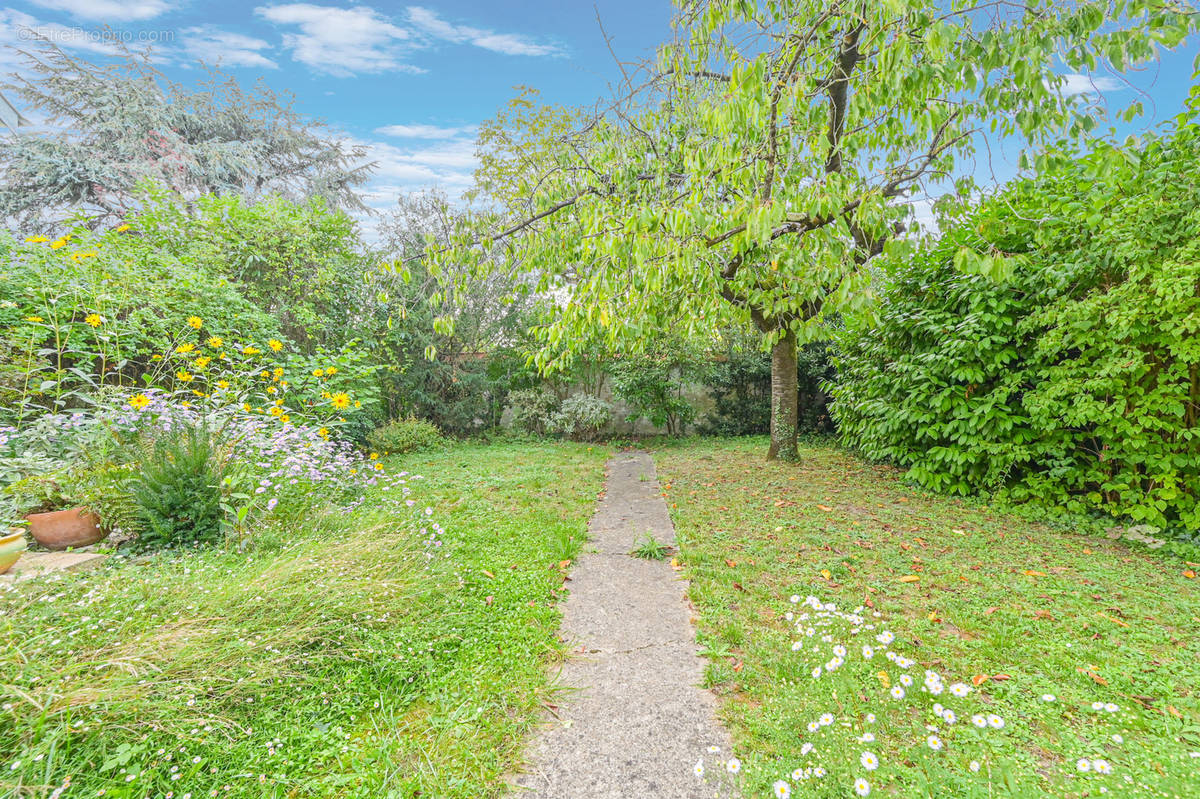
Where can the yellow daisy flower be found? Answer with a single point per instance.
(184, 349)
(139, 401)
(34, 319)
(340, 400)
(275, 344)
(250, 349)
(37, 239)
(216, 342)
(195, 322)
(93, 319)
(184, 376)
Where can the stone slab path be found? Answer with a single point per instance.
(35, 564)
(638, 720)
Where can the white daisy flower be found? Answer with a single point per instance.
(813, 726)
(781, 789)
(906, 680)
(698, 769)
(840, 651)
(897, 692)
(871, 720)
(974, 765)
(949, 716)
(1117, 739)
(869, 761)
(1097, 706)
(960, 689)
(819, 772)
(795, 598)
(935, 743)
(979, 720)
(712, 750)
(816, 672)
(867, 737)
(826, 719)
(1083, 764)
(862, 787)
(798, 775)
(1048, 697)
(1101, 767)
(938, 709)
(733, 766)
(796, 645)
(808, 747)
(1112, 708)
(868, 652)
(995, 722)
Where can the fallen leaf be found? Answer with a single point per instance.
(490, 600)
(731, 563)
(979, 679)
(826, 574)
(1171, 709)
(1191, 575)
(737, 666)
(933, 617)
(488, 573)
(1032, 573)
(825, 508)
(562, 564)
(1043, 614)
(990, 610)
(676, 565)
(1113, 619)
(1000, 677)
(1096, 677)
(910, 578)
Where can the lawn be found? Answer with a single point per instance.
(1038, 624)
(348, 657)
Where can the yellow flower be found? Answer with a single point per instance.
(318, 372)
(34, 319)
(378, 467)
(222, 384)
(275, 344)
(79, 256)
(374, 456)
(285, 418)
(271, 389)
(265, 375)
(357, 404)
(183, 349)
(139, 401)
(93, 319)
(276, 411)
(195, 322)
(340, 400)
(184, 376)
(325, 395)
(202, 361)
(198, 392)
(120, 228)
(323, 432)
(185, 404)
(246, 407)
(216, 342)
(283, 383)
(332, 370)
(354, 471)
(58, 243)
(37, 239)
(278, 402)
(156, 357)
(250, 349)
(277, 371)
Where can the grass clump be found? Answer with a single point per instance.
(648, 548)
(405, 435)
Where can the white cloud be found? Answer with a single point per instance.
(425, 131)
(1086, 84)
(447, 165)
(108, 10)
(21, 31)
(431, 24)
(214, 46)
(342, 41)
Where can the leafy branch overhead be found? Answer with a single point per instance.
(772, 150)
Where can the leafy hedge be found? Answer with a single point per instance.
(1046, 345)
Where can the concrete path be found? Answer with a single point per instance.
(639, 721)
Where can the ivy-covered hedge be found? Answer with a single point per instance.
(1047, 345)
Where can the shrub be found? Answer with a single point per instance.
(533, 410)
(652, 386)
(178, 493)
(405, 435)
(582, 417)
(1048, 347)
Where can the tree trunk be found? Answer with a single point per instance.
(784, 400)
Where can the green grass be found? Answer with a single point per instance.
(341, 662)
(650, 549)
(987, 593)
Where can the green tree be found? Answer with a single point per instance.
(772, 152)
(113, 126)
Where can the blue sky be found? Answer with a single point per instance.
(412, 81)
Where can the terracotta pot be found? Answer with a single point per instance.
(11, 547)
(65, 528)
